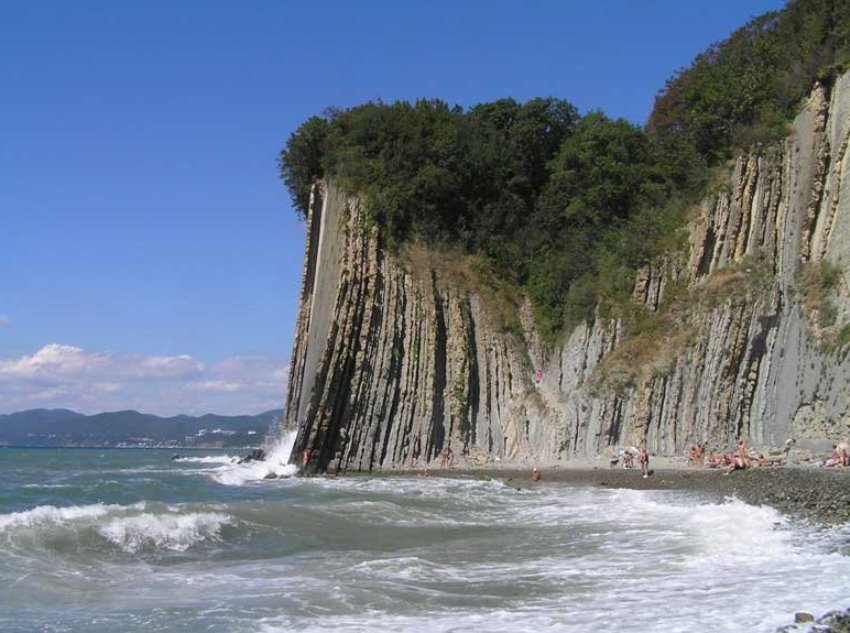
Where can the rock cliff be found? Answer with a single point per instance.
(394, 360)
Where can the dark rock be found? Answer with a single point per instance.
(257, 455)
(836, 622)
(802, 616)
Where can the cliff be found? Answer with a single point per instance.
(741, 336)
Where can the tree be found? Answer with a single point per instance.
(301, 161)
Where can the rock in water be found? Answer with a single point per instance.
(257, 455)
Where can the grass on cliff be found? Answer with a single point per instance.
(819, 282)
(655, 340)
(472, 274)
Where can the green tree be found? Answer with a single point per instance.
(301, 161)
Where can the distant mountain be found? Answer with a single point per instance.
(61, 427)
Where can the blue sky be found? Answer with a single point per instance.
(143, 224)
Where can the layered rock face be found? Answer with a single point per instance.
(394, 361)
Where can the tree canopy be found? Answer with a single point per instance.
(565, 206)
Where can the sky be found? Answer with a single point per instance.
(149, 255)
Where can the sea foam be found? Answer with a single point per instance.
(53, 515)
(274, 465)
(208, 459)
(174, 532)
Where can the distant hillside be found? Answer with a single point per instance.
(61, 427)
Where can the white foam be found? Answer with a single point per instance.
(208, 459)
(276, 464)
(52, 515)
(649, 561)
(175, 532)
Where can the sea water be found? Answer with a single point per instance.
(131, 540)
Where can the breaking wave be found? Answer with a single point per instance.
(174, 532)
(275, 465)
(52, 515)
(132, 528)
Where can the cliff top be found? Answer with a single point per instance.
(566, 206)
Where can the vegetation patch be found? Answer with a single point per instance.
(818, 284)
(741, 281)
(473, 274)
(654, 340)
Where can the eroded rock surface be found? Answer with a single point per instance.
(393, 360)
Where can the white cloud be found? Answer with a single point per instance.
(55, 361)
(5, 321)
(214, 385)
(91, 381)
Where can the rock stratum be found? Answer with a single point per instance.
(394, 359)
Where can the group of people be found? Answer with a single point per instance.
(742, 458)
(739, 458)
(628, 457)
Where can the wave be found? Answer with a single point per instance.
(174, 532)
(208, 459)
(275, 465)
(53, 515)
(132, 528)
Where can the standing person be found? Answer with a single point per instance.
(786, 449)
(844, 453)
(535, 475)
(643, 456)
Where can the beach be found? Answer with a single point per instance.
(799, 491)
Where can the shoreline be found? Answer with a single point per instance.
(808, 493)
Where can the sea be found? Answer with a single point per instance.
(95, 540)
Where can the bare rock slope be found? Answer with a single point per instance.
(394, 361)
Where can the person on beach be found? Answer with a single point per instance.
(765, 462)
(446, 458)
(837, 459)
(843, 453)
(696, 455)
(643, 456)
(700, 454)
(738, 463)
(535, 475)
(627, 458)
(833, 461)
(787, 447)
